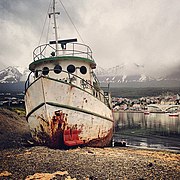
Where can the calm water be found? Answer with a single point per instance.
(156, 130)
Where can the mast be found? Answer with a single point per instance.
(56, 42)
(55, 25)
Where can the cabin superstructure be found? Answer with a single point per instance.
(74, 65)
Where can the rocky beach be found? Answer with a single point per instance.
(19, 159)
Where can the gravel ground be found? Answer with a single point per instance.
(17, 161)
(90, 163)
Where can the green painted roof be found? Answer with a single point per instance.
(63, 58)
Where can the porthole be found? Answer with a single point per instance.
(45, 71)
(57, 69)
(83, 69)
(71, 68)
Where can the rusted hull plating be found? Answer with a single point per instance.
(69, 117)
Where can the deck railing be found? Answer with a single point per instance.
(71, 49)
(96, 92)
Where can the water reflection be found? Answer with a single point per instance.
(156, 130)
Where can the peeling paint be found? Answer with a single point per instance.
(58, 125)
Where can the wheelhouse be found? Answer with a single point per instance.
(73, 64)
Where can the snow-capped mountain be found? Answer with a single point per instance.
(10, 75)
(125, 78)
(123, 69)
(122, 74)
(13, 74)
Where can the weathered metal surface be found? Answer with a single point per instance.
(34, 96)
(93, 131)
(102, 141)
(52, 107)
(74, 97)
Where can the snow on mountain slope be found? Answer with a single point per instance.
(123, 74)
(13, 74)
(10, 75)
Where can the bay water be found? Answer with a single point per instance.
(155, 130)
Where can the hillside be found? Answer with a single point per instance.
(14, 129)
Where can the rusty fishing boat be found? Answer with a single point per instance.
(65, 106)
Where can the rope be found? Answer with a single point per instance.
(44, 24)
(48, 30)
(71, 21)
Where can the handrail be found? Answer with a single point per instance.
(72, 49)
(106, 101)
(27, 83)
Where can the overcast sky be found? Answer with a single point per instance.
(120, 32)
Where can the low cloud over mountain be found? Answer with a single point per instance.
(135, 75)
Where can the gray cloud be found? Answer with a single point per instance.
(143, 32)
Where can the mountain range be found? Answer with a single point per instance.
(117, 76)
(135, 76)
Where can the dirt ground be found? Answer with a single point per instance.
(19, 160)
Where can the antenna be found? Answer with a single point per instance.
(55, 26)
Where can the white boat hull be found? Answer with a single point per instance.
(54, 106)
